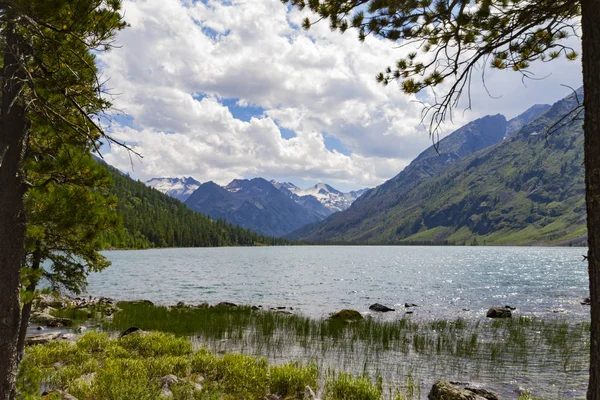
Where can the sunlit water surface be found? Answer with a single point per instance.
(445, 283)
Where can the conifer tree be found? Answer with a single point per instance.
(47, 73)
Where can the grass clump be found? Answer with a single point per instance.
(343, 386)
(291, 379)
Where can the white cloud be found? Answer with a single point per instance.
(179, 60)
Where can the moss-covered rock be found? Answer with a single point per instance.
(347, 315)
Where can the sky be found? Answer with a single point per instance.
(221, 90)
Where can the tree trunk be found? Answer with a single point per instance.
(591, 88)
(13, 136)
(26, 312)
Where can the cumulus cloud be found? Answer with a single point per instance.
(179, 62)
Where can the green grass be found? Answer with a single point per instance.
(103, 368)
(284, 353)
(396, 349)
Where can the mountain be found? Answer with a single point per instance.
(153, 219)
(331, 200)
(525, 189)
(520, 121)
(179, 188)
(254, 204)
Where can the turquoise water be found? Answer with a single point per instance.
(446, 282)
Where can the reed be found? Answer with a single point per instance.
(480, 350)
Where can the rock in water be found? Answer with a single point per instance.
(408, 305)
(130, 331)
(380, 308)
(226, 304)
(443, 390)
(49, 320)
(42, 338)
(499, 312)
(347, 315)
(586, 301)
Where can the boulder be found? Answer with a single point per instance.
(50, 300)
(197, 387)
(141, 302)
(134, 330)
(49, 320)
(443, 390)
(169, 380)
(586, 301)
(499, 312)
(225, 304)
(347, 315)
(380, 308)
(486, 394)
(165, 393)
(42, 338)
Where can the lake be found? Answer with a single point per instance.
(446, 282)
(547, 356)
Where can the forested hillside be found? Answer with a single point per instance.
(153, 219)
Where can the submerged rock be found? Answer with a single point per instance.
(499, 312)
(443, 390)
(380, 308)
(347, 315)
(42, 338)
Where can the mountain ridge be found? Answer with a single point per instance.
(402, 209)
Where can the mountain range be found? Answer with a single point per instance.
(492, 181)
(269, 208)
(150, 218)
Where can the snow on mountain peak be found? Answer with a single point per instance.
(330, 197)
(179, 188)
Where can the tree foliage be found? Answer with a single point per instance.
(52, 104)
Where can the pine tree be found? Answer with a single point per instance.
(48, 74)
